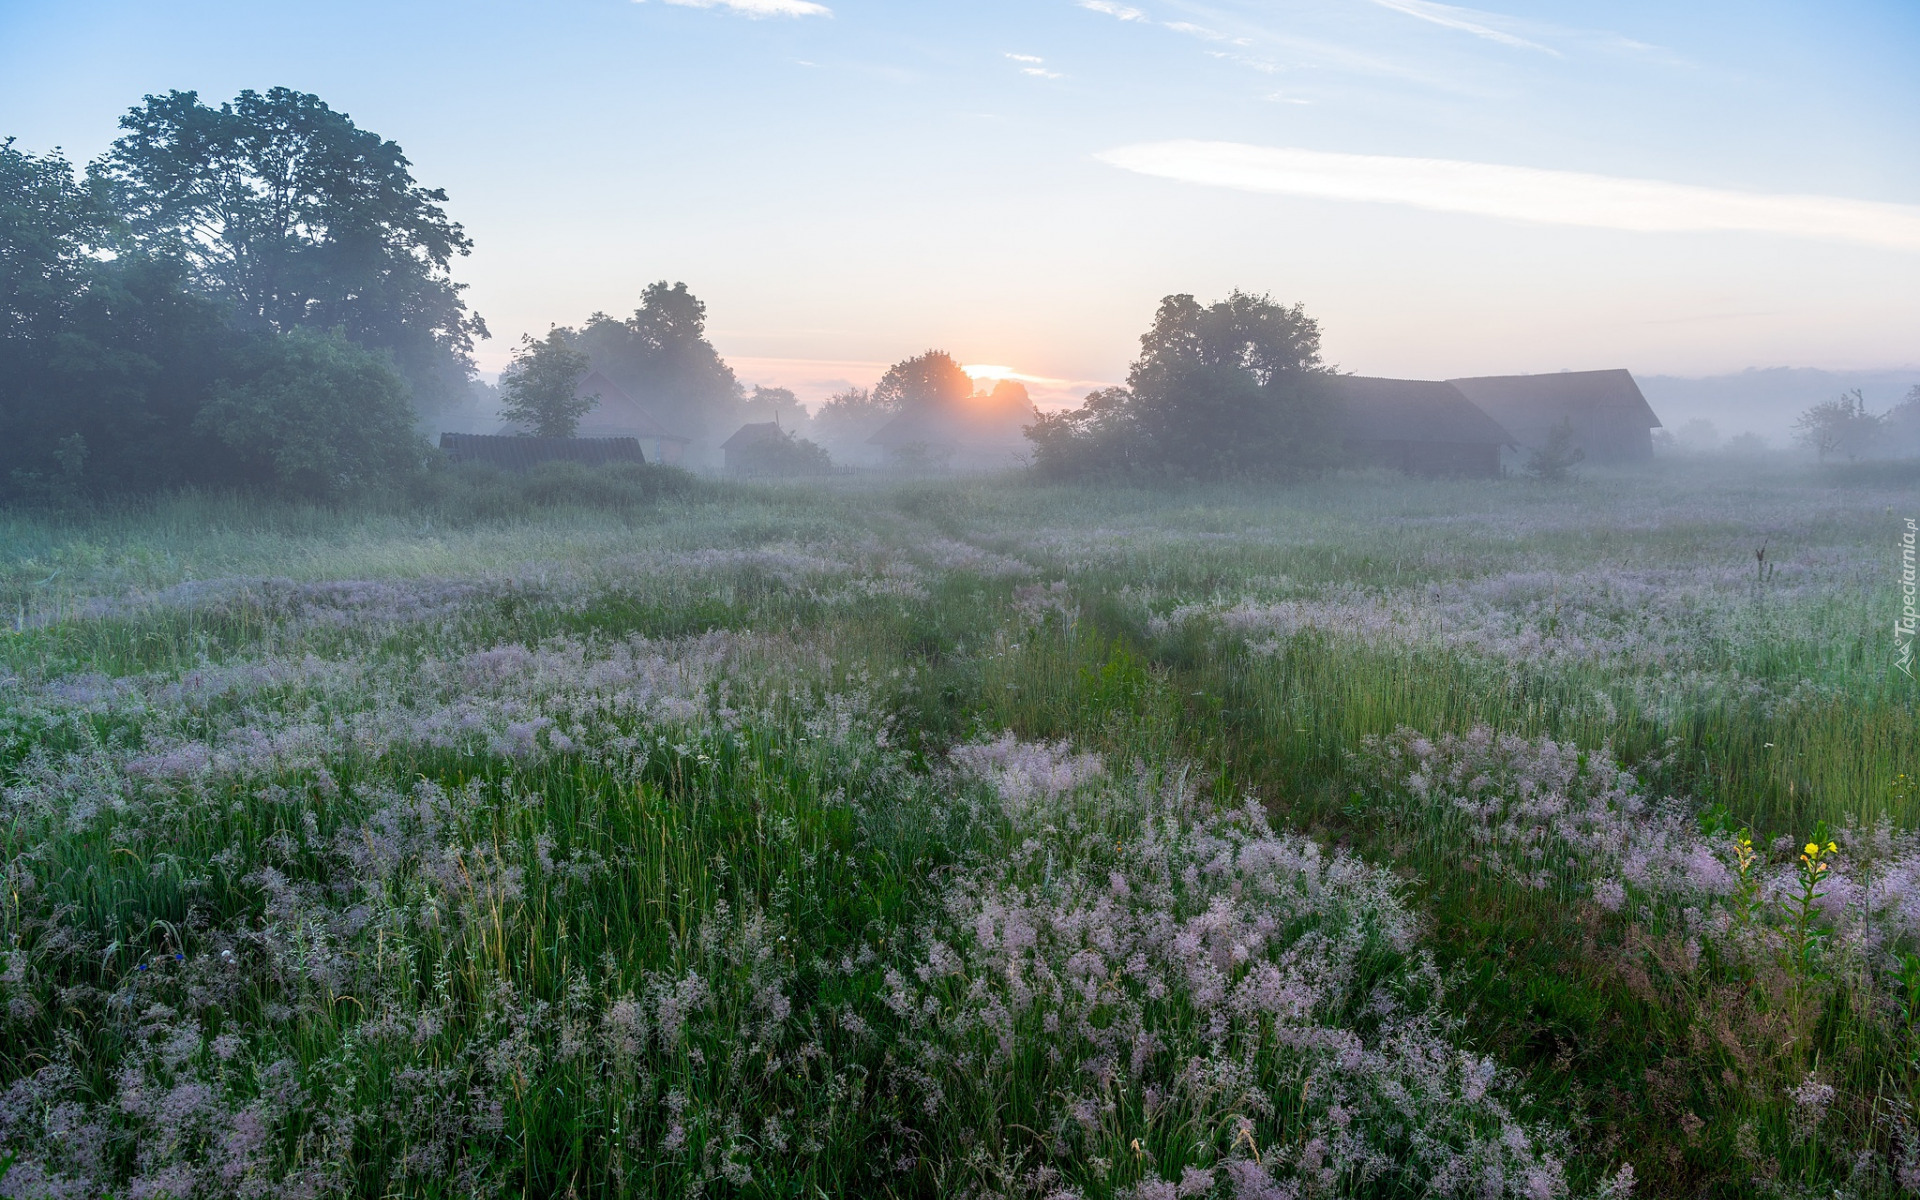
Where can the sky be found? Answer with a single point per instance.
(1677, 187)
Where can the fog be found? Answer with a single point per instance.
(993, 601)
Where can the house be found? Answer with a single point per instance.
(985, 432)
(511, 453)
(760, 448)
(1610, 419)
(618, 415)
(753, 446)
(1420, 426)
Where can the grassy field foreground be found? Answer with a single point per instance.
(1371, 837)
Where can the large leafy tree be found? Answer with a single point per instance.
(661, 356)
(50, 225)
(122, 371)
(540, 390)
(927, 381)
(1230, 388)
(297, 218)
(103, 359)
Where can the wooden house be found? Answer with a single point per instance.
(1610, 419)
(1420, 426)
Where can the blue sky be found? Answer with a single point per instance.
(852, 181)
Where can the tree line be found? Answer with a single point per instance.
(1844, 427)
(260, 294)
(254, 294)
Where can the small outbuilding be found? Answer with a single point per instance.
(752, 446)
(511, 453)
(757, 448)
(764, 448)
(1420, 426)
(1611, 421)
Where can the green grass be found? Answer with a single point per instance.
(418, 954)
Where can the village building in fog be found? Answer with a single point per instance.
(1610, 420)
(1420, 426)
(512, 452)
(1474, 426)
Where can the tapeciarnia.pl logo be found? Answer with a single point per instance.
(1904, 625)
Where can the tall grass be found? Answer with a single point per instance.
(615, 838)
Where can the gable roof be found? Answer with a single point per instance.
(755, 434)
(1412, 410)
(1527, 402)
(519, 453)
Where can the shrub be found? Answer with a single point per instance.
(313, 414)
(1554, 461)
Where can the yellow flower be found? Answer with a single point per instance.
(1811, 849)
(1831, 848)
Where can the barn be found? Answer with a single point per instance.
(1610, 419)
(1420, 426)
(511, 453)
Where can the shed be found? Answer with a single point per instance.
(1421, 426)
(753, 446)
(1611, 420)
(512, 453)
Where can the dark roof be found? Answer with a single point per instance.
(754, 435)
(1411, 410)
(1527, 402)
(519, 453)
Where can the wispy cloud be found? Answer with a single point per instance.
(1523, 193)
(1467, 20)
(1296, 51)
(1036, 66)
(761, 8)
(1246, 60)
(1117, 11)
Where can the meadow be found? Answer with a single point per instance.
(1369, 836)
